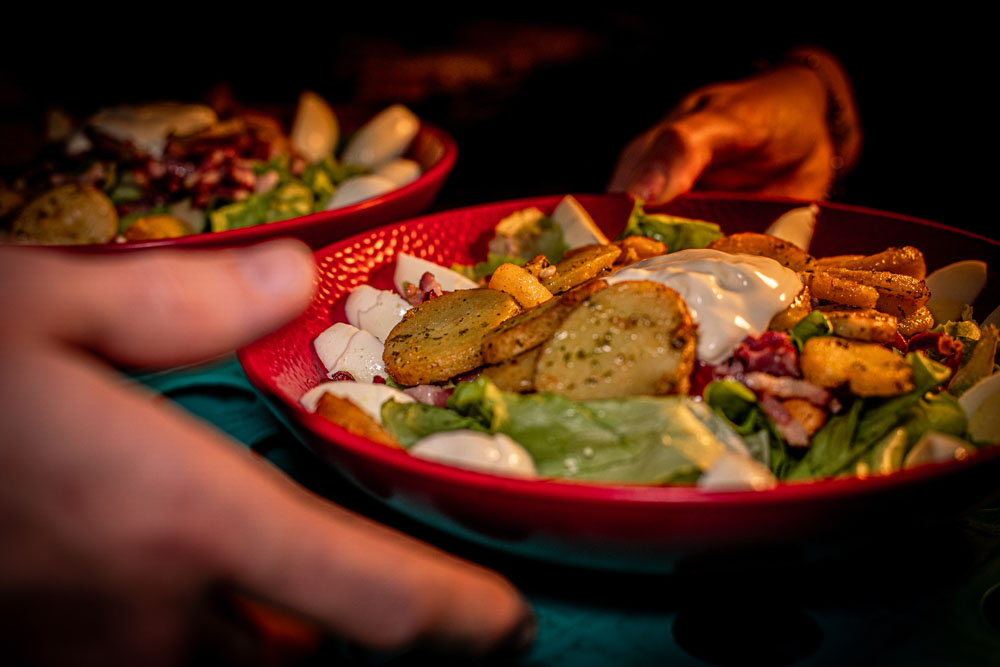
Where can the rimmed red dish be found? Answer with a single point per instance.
(433, 148)
(616, 526)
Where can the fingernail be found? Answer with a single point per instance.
(520, 638)
(648, 185)
(274, 268)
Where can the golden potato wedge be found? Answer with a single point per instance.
(918, 321)
(765, 245)
(345, 412)
(67, 215)
(443, 337)
(156, 227)
(810, 416)
(632, 338)
(862, 324)
(906, 260)
(517, 373)
(636, 248)
(797, 309)
(869, 369)
(886, 283)
(520, 284)
(533, 327)
(826, 287)
(576, 269)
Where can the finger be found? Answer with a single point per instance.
(681, 152)
(146, 477)
(156, 308)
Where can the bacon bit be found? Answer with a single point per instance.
(702, 375)
(378, 379)
(429, 394)
(792, 431)
(428, 289)
(772, 352)
(786, 387)
(944, 348)
(342, 376)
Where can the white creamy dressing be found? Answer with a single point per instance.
(729, 296)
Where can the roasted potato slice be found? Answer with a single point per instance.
(515, 374)
(345, 412)
(520, 284)
(636, 248)
(797, 309)
(443, 337)
(67, 215)
(156, 227)
(862, 324)
(533, 327)
(765, 245)
(906, 260)
(869, 369)
(589, 262)
(632, 338)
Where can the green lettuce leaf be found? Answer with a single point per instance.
(641, 440)
(678, 233)
(812, 325)
(738, 407)
(487, 267)
(410, 422)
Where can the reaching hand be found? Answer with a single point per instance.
(768, 134)
(121, 515)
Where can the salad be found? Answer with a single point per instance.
(164, 170)
(672, 355)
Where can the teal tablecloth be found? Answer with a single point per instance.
(926, 599)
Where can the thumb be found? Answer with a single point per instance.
(158, 307)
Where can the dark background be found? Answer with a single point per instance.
(542, 101)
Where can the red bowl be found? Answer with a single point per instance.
(613, 526)
(433, 148)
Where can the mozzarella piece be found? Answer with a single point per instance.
(982, 407)
(937, 448)
(953, 286)
(385, 137)
(578, 228)
(343, 347)
(315, 130)
(332, 343)
(358, 189)
(374, 310)
(401, 171)
(497, 453)
(736, 472)
(368, 397)
(796, 226)
(410, 269)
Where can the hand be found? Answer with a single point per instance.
(121, 515)
(767, 134)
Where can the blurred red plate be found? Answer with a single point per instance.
(613, 526)
(433, 148)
